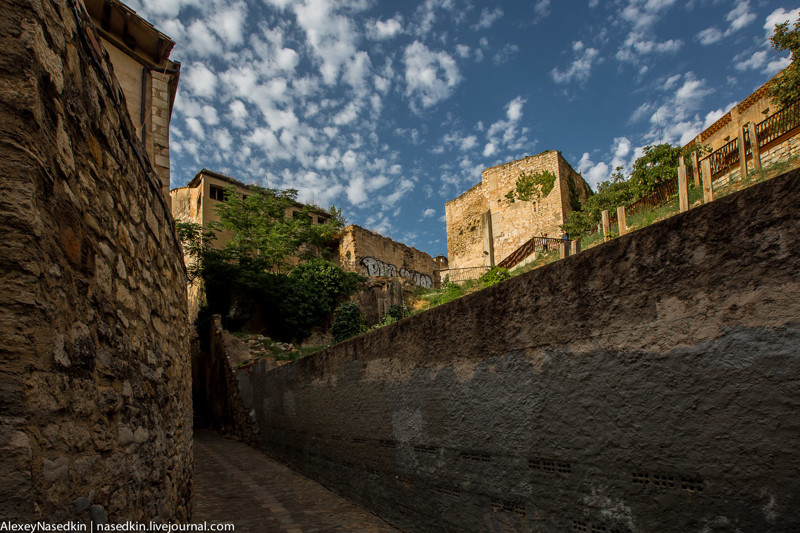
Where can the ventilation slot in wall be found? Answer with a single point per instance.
(550, 465)
(429, 450)
(450, 492)
(387, 443)
(692, 484)
(585, 527)
(477, 457)
(358, 441)
(509, 507)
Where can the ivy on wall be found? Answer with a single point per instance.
(532, 186)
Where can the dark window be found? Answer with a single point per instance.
(296, 214)
(217, 193)
(322, 220)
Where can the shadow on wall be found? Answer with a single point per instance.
(643, 385)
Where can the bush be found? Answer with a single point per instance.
(348, 323)
(494, 275)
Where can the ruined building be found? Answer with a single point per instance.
(144, 72)
(484, 227)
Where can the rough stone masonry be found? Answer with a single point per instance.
(650, 384)
(95, 399)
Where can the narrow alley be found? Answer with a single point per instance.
(236, 483)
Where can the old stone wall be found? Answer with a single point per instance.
(483, 225)
(95, 374)
(465, 229)
(371, 254)
(648, 384)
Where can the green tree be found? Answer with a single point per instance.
(658, 164)
(786, 88)
(262, 235)
(349, 322)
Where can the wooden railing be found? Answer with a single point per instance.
(768, 132)
(778, 124)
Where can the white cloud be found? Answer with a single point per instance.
(541, 9)
(505, 53)
(428, 213)
(581, 66)
(591, 172)
(775, 66)
(201, 40)
(780, 16)
(709, 36)
(462, 50)
(195, 128)
(228, 23)
(740, 16)
(238, 113)
(487, 18)
(754, 62)
(223, 139)
(514, 108)
(199, 80)
(381, 30)
(430, 76)
(209, 115)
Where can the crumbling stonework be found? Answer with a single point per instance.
(648, 384)
(484, 227)
(374, 255)
(94, 372)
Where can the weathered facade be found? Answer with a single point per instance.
(757, 108)
(374, 255)
(645, 385)
(146, 75)
(96, 417)
(484, 227)
(198, 200)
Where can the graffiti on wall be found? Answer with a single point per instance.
(376, 267)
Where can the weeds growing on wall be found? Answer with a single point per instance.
(348, 322)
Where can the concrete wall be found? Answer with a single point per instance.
(94, 368)
(471, 240)
(648, 384)
(371, 254)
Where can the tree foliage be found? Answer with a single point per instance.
(262, 235)
(532, 186)
(242, 278)
(658, 164)
(786, 88)
(349, 322)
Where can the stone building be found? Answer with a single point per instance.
(374, 255)
(95, 378)
(147, 77)
(775, 127)
(484, 227)
(197, 202)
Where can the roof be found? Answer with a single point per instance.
(199, 176)
(116, 19)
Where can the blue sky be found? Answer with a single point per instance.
(390, 109)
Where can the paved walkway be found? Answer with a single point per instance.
(236, 483)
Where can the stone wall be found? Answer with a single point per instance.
(648, 384)
(466, 228)
(482, 224)
(95, 374)
(371, 254)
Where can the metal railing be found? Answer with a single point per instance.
(535, 244)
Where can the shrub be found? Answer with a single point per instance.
(348, 323)
(495, 275)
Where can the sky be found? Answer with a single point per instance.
(389, 109)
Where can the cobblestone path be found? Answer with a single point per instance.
(237, 484)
